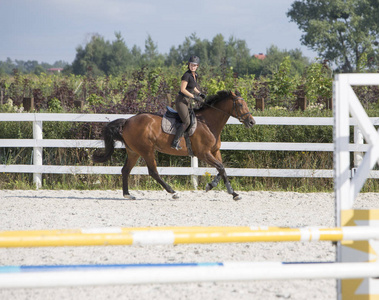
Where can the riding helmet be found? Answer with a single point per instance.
(194, 60)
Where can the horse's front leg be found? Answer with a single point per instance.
(230, 189)
(229, 186)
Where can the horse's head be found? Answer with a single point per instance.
(241, 111)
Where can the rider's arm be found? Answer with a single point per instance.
(196, 91)
(183, 86)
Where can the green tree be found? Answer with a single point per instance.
(192, 45)
(275, 56)
(7, 66)
(200, 48)
(282, 84)
(151, 57)
(136, 56)
(38, 70)
(27, 67)
(255, 66)
(318, 82)
(173, 58)
(342, 31)
(218, 50)
(218, 57)
(104, 57)
(91, 57)
(238, 55)
(119, 58)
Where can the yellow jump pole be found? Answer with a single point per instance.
(179, 235)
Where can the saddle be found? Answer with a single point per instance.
(171, 121)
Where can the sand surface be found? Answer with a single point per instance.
(46, 209)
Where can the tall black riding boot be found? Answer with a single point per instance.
(176, 142)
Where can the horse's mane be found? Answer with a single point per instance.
(212, 100)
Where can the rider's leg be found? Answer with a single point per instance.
(179, 132)
(181, 104)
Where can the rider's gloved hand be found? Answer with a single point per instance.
(202, 95)
(198, 98)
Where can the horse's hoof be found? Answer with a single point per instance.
(175, 196)
(208, 187)
(237, 197)
(130, 197)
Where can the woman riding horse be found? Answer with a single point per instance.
(189, 89)
(143, 135)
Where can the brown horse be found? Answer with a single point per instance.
(142, 135)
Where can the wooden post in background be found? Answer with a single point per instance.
(79, 104)
(302, 102)
(28, 104)
(260, 104)
(169, 100)
(329, 103)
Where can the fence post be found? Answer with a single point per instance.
(358, 139)
(260, 104)
(194, 178)
(169, 100)
(79, 104)
(329, 103)
(302, 102)
(37, 153)
(28, 104)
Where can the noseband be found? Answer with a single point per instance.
(238, 115)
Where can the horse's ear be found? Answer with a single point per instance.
(237, 93)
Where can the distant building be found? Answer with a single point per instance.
(53, 70)
(260, 56)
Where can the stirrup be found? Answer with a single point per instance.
(176, 145)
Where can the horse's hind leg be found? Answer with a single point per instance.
(128, 166)
(153, 172)
(215, 161)
(214, 183)
(216, 180)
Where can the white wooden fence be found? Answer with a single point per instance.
(37, 168)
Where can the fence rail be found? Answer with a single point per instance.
(38, 143)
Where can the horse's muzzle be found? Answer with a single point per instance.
(249, 122)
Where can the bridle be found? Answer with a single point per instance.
(238, 115)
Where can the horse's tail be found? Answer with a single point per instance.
(111, 133)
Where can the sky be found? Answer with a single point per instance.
(51, 30)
